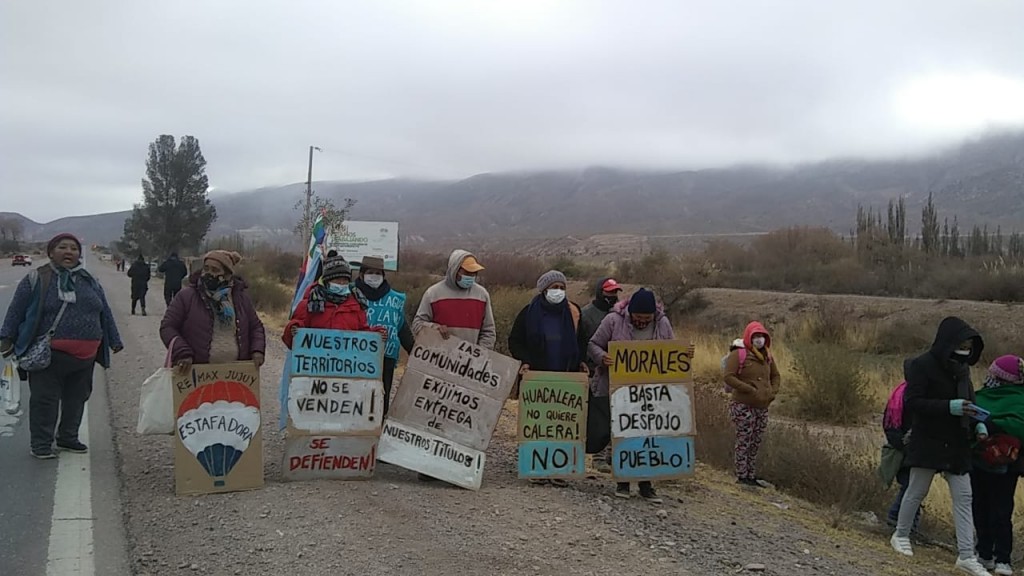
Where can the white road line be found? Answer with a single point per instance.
(71, 546)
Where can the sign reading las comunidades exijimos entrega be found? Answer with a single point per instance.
(652, 410)
(446, 409)
(218, 444)
(552, 425)
(335, 405)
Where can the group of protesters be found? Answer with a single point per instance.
(60, 323)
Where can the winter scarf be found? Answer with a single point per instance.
(66, 281)
(320, 296)
(221, 299)
(568, 354)
(373, 294)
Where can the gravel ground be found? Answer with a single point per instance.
(396, 525)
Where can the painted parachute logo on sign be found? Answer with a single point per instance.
(216, 423)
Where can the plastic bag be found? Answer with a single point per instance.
(10, 387)
(156, 401)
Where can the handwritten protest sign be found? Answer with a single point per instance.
(552, 425)
(652, 410)
(218, 441)
(446, 408)
(335, 405)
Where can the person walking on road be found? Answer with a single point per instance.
(140, 275)
(213, 320)
(939, 399)
(385, 307)
(753, 378)
(174, 272)
(59, 310)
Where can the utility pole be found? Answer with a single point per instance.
(309, 198)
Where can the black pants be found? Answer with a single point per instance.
(59, 391)
(388, 377)
(169, 294)
(992, 507)
(139, 299)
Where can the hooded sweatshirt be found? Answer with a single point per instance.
(466, 313)
(617, 327)
(939, 440)
(592, 315)
(757, 384)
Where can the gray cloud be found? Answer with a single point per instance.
(446, 89)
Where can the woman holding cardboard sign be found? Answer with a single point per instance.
(641, 318)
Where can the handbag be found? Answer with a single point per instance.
(38, 355)
(156, 400)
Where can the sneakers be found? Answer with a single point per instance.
(73, 446)
(902, 545)
(989, 564)
(1003, 569)
(647, 493)
(622, 490)
(752, 482)
(43, 453)
(970, 566)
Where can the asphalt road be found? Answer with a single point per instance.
(82, 535)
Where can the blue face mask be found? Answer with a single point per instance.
(466, 282)
(339, 289)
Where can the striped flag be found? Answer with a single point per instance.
(307, 274)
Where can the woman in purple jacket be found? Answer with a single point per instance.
(212, 320)
(638, 319)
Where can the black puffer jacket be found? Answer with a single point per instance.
(938, 440)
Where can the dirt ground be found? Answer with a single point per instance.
(394, 524)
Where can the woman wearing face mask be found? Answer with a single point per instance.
(385, 308)
(331, 304)
(639, 318)
(212, 320)
(939, 400)
(752, 376)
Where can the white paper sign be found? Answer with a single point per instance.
(652, 410)
(335, 405)
(431, 455)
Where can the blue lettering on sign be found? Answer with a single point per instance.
(652, 457)
(551, 459)
(388, 311)
(336, 354)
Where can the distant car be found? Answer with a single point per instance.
(21, 260)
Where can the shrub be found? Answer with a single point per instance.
(267, 294)
(417, 261)
(511, 270)
(506, 303)
(833, 387)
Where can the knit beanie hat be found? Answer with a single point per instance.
(642, 302)
(1008, 368)
(336, 267)
(226, 259)
(548, 278)
(56, 240)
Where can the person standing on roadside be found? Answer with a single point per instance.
(60, 299)
(753, 377)
(213, 320)
(606, 296)
(140, 275)
(385, 308)
(939, 399)
(458, 305)
(174, 272)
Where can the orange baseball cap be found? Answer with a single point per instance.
(471, 265)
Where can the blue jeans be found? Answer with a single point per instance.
(903, 479)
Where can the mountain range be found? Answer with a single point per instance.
(980, 181)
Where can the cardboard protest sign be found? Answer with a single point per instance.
(552, 425)
(446, 408)
(652, 410)
(335, 405)
(218, 441)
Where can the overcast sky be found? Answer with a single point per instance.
(447, 89)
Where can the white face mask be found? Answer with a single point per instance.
(373, 280)
(758, 342)
(962, 352)
(555, 295)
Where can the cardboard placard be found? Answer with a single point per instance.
(446, 408)
(552, 424)
(335, 405)
(329, 457)
(218, 440)
(652, 410)
(337, 354)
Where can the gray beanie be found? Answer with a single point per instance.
(548, 278)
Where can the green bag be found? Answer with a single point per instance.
(890, 464)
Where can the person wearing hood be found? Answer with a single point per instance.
(997, 464)
(458, 305)
(213, 320)
(62, 299)
(140, 274)
(639, 318)
(331, 304)
(606, 296)
(174, 272)
(386, 308)
(939, 399)
(753, 379)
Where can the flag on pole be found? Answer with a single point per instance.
(307, 275)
